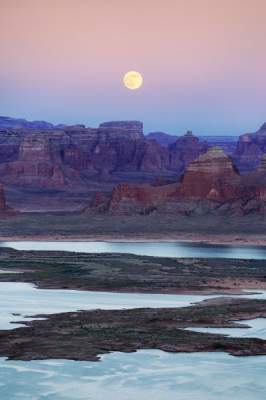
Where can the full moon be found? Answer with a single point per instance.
(133, 80)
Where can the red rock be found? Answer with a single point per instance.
(211, 176)
(35, 167)
(114, 147)
(210, 184)
(130, 199)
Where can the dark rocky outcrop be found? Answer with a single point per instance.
(3, 206)
(186, 149)
(250, 149)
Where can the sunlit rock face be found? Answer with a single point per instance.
(211, 176)
(250, 149)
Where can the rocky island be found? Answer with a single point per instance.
(85, 335)
(131, 273)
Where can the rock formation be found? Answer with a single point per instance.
(35, 166)
(47, 158)
(137, 199)
(186, 149)
(3, 206)
(19, 123)
(65, 157)
(129, 129)
(211, 176)
(162, 138)
(250, 149)
(211, 183)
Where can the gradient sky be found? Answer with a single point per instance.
(203, 62)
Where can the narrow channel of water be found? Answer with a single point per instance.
(25, 299)
(169, 249)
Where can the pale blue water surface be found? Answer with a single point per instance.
(167, 249)
(137, 376)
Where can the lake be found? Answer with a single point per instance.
(140, 375)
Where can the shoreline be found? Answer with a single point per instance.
(226, 240)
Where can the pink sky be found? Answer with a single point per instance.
(203, 62)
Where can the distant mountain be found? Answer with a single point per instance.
(19, 123)
(227, 142)
(162, 138)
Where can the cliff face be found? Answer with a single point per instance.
(140, 199)
(47, 158)
(250, 149)
(186, 149)
(128, 129)
(37, 165)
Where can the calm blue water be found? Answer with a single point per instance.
(137, 376)
(169, 249)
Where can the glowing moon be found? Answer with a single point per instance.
(133, 80)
